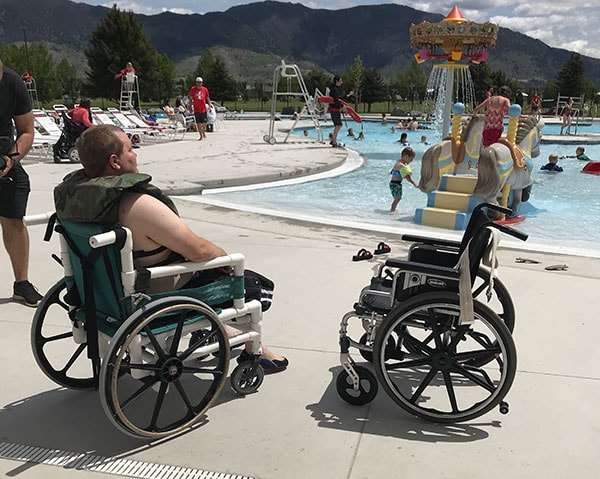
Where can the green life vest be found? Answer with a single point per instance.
(96, 200)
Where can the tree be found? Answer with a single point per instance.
(354, 76)
(36, 59)
(117, 39)
(206, 63)
(66, 75)
(374, 88)
(220, 82)
(316, 79)
(571, 79)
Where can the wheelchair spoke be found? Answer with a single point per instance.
(479, 354)
(147, 384)
(177, 336)
(415, 363)
(435, 328)
(414, 343)
(469, 375)
(160, 398)
(184, 396)
(58, 337)
(450, 389)
(197, 370)
(157, 347)
(74, 357)
(142, 366)
(426, 380)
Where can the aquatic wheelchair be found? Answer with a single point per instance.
(438, 351)
(158, 360)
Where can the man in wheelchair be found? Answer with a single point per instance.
(109, 190)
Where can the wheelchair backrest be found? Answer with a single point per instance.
(105, 269)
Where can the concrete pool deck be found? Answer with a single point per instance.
(296, 426)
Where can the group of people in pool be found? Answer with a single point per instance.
(552, 165)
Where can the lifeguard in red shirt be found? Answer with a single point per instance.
(128, 75)
(200, 98)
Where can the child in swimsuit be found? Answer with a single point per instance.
(400, 171)
(496, 107)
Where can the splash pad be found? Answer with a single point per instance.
(455, 173)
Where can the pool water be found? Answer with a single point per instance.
(563, 211)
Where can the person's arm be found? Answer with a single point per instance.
(24, 124)
(154, 223)
(479, 107)
(410, 180)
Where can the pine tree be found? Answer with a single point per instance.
(118, 39)
(571, 79)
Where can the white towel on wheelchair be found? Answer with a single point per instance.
(464, 285)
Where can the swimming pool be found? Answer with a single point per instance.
(565, 217)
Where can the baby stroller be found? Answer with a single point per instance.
(438, 351)
(64, 148)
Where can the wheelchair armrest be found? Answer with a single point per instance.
(424, 268)
(235, 259)
(431, 241)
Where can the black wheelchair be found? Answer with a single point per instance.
(158, 360)
(438, 351)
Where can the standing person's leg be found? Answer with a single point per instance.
(203, 122)
(336, 118)
(198, 118)
(13, 204)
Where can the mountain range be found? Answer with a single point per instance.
(252, 39)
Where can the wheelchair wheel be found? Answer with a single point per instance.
(170, 381)
(436, 374)
(367, 386)
(73, 155)
(500, 302)
(247, 377)
(58, 356)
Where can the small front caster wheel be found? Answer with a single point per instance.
(247, 377)
(503, 407)
(367, 386)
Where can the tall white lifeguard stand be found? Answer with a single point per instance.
(311, 104)
(130, 92)
(32, 91)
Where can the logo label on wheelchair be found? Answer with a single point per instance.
(437, 283)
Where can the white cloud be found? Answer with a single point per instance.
(558, 24)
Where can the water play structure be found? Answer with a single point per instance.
(455, 173)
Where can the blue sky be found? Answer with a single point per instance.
(571, 25)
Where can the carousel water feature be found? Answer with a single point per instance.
(562, 213)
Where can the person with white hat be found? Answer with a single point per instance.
(200, 99)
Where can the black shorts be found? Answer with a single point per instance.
(14, 194)
(336, 118)
(200, 117)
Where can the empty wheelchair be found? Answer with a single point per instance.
(438, 351)
(158, 360)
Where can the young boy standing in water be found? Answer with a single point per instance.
(401, 171)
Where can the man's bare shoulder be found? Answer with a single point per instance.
(144, 207)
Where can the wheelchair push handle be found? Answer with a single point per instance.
(495, 207)
(511, 231)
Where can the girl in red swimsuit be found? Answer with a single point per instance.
(496, 107)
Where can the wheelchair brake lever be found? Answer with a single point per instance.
(57, 259)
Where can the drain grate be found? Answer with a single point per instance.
(107, 465)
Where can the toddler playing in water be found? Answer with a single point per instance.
(552, 164)
(400, 171)
(579, 154)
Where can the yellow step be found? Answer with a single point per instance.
(442, 218)
(451, 201)
(458, 183)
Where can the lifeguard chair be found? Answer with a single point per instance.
(31, 89)
(310, 108)
(130, 92)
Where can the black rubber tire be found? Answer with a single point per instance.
(246, 378)
(368, 386)
(58, 356)
(440, 379)
(180, 382)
